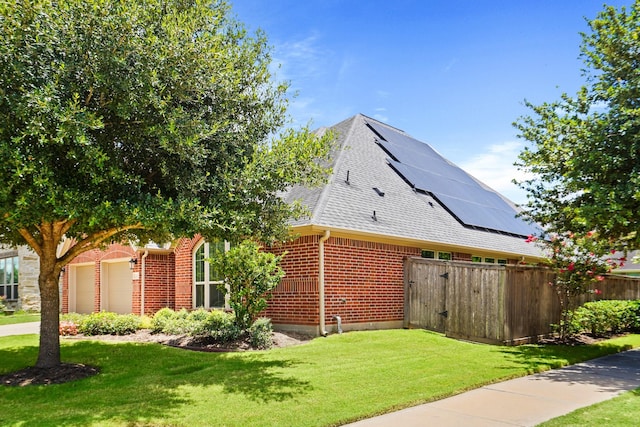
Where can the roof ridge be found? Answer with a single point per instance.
(326, 189)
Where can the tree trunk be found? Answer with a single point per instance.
(49, 353)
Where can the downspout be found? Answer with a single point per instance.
(323, 239)
(142, 270)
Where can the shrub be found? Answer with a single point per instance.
(607, 316)
(107, 323)
(3, 306)
(98, 324)
(221, 327)
(126, 324)
(68, 328)
(160, 319)
(260, 333)
(250, 275)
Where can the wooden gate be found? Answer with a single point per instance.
(460, 299)
(426, 296)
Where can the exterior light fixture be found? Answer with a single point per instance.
(132, 263)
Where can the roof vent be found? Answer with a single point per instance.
(380, 192)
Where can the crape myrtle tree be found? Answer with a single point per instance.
(578, 265)
(584, 156)
(139, 120)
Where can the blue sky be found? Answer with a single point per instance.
(451, 73)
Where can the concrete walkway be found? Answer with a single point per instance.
(20, 329)
(525, 401)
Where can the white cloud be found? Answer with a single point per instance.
(495, 168)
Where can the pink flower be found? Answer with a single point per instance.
(599, 278)
(571, 267)
(597, 291)
(531, 238)
(590, 233)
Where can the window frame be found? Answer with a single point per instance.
(9, 283)
(207, 281)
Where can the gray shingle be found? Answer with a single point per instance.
(401, 212)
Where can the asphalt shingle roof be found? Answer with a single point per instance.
(401, 212)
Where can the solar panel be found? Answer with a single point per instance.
(426, 170)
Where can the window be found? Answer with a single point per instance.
(490, 260)
(476, 259)
(502, 261)
(206, 279)
(9, 278)
(428, 254)
(445, 256)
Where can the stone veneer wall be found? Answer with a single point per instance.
(28, 290)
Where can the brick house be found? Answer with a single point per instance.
(389, 197)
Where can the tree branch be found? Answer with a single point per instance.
(31, 241)
(93, 241)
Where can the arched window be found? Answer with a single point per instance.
(205, 278)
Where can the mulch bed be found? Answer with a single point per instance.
(45, 376)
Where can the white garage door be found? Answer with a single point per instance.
(85, 288)
(117, 282)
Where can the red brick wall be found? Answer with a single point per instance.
(183, 273)
(295, 299)
(158, 282)
(364, 282)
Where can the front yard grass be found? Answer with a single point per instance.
(20, 317)
(621, 411)
(328, 381)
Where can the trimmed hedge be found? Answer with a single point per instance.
(601, 318)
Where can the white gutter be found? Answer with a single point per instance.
(142, 270)
(323, 239)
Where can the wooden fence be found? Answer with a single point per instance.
(491, 303)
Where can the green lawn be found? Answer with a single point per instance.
(19, 318)
(325, 382)
(621, 411)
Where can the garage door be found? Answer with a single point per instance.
(117, 282)
(85, 288)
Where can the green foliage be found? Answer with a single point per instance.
(160, 319)
(584, 160)
(215, 325)
(2, 303)
(579, 263)
(608, 316)
(261, 333)
(107, 323)
(250, 275)
(221, 327)
(140, 120)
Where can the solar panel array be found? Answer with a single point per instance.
(427, 171)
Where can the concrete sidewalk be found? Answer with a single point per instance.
(525, 401)
(20, 329)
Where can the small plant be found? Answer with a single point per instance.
(260, 333)
(3, 304)
(221, 327)
(250, 275)
(161, 318)
(68, 328)
(107, 323)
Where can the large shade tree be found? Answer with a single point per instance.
(584, 156)
(143, 120)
